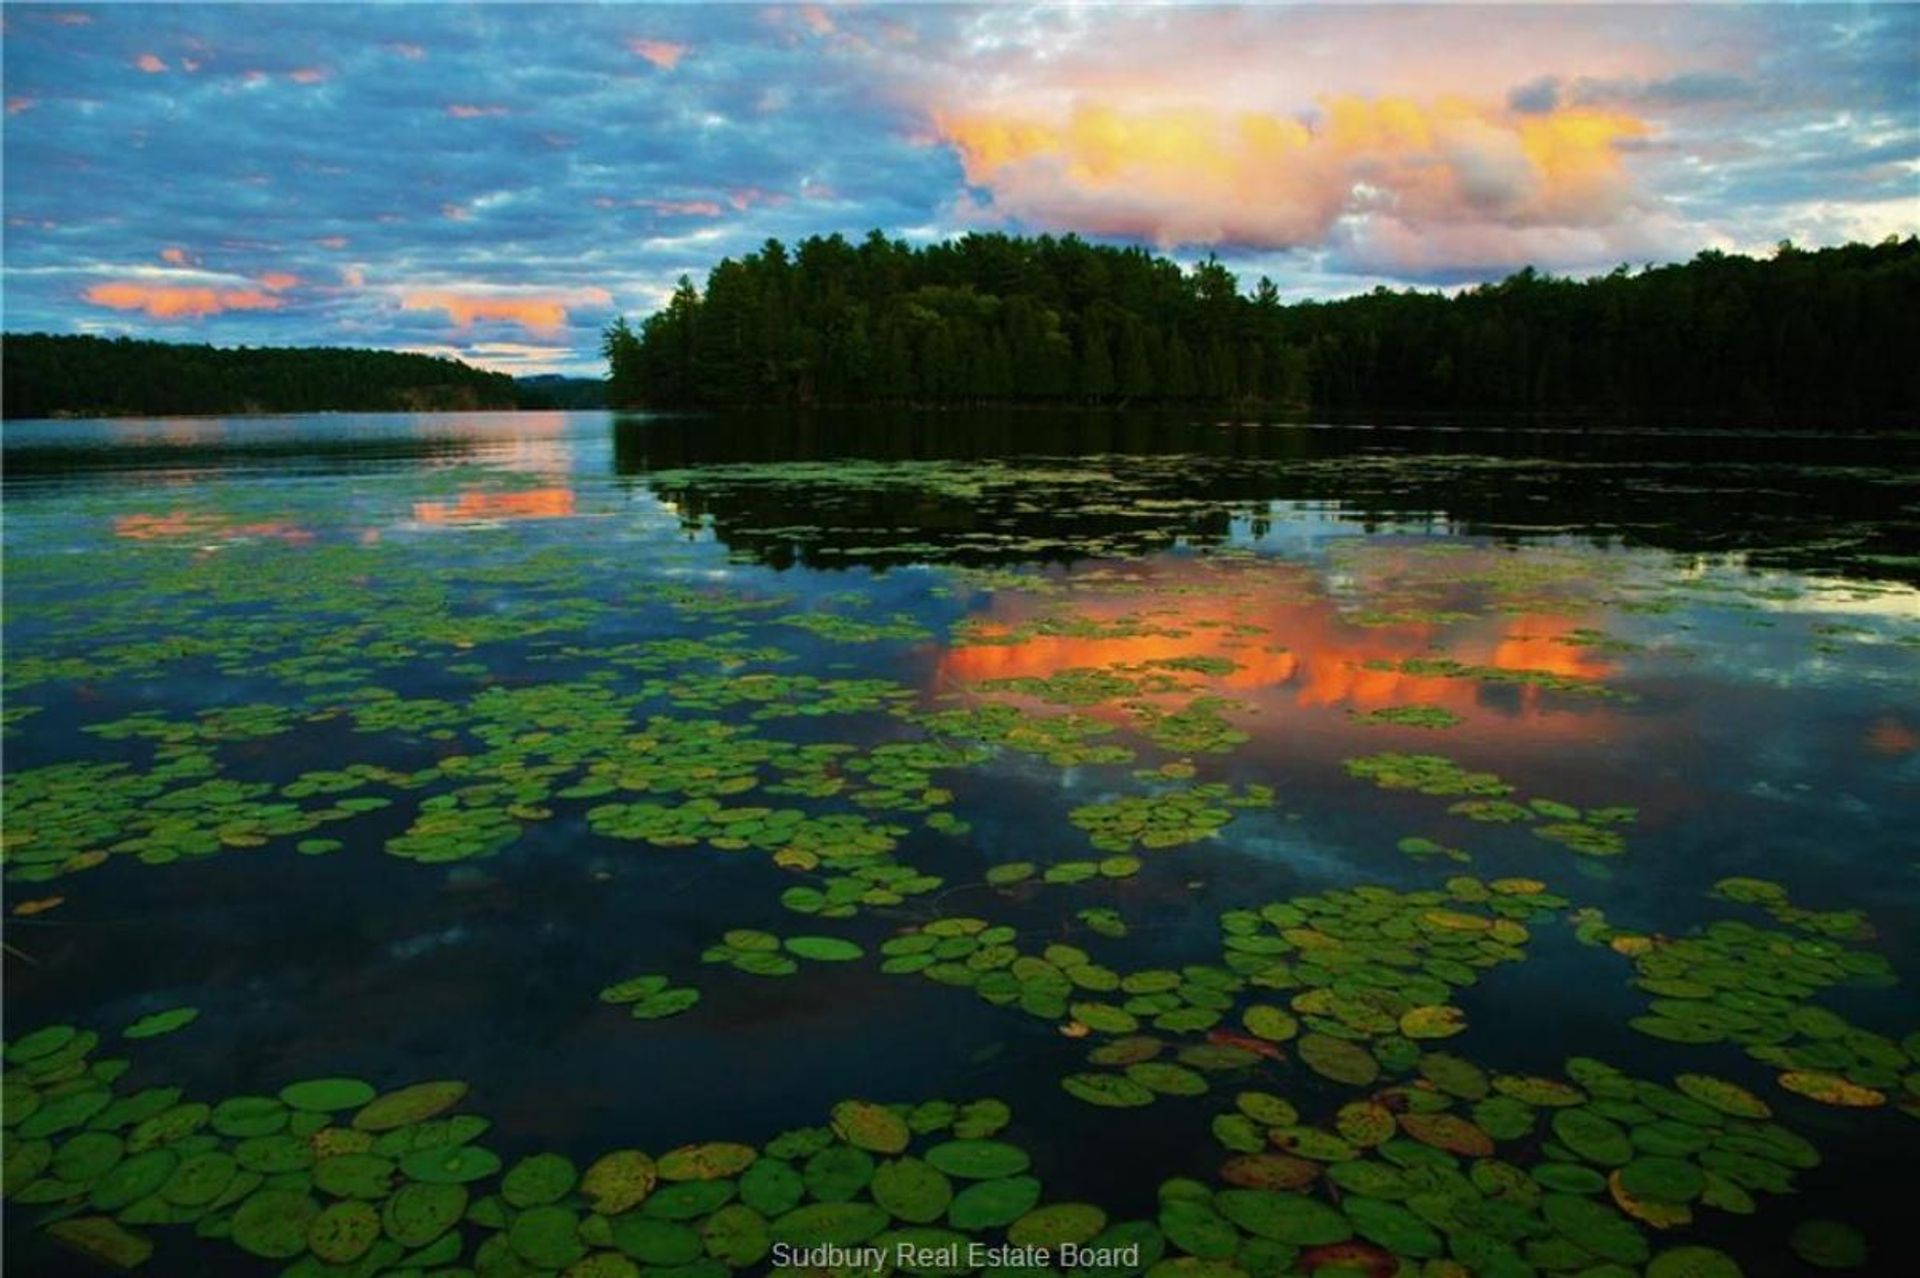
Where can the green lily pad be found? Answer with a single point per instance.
(1114, 1091)
(546, 1237)
(911, 1190)
(1693, 1262)
(990, 1204)
(1057, 1225)
(1337, 1059)
(273, 1223)
(326, 1095)
(161, 1022)
(420, 1212)
(823, 949)
(978, 1159)
(457, 1165)
(537, 1180)
(618, 1181)
(656, 1242)
(841, 1224)
(409, 1105)
(709, 1161)
(870, 1126)
(343, 1232)
(103, 1239)
(1288, 1218)
(1829, 1244)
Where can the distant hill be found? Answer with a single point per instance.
(551, 390)
(56, 376)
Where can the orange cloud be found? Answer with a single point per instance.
(534, 312)
(682, 208)
(662, 53)
(818, 20)
(278, 281)
(16, 105)
(150, 63)
(177, 256)
(308, 75)
(463, 111)
(1200, 174)
(163, 301)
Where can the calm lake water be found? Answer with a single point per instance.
(1367, 826)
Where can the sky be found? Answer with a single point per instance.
(496, 182)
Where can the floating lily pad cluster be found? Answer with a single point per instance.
(650, 998)
(1447, 668)
(1590, 832)
(1064, 740)
(1732, 982)
(1841, 925)
(1166, 820)
(783, 696)
(1200, 727)
(764, 954)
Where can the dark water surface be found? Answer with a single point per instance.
(1682, 661)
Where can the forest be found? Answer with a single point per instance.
(1804, 337)
(58, 376)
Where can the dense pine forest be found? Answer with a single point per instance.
(49, 376)
(1803, 337)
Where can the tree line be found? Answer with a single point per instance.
(46, 375)
(1820, 336)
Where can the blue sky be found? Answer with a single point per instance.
(497, 181)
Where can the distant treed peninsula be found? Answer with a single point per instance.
(57, 376)
(1804, 337)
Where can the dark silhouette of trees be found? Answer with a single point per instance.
(54, 376)
(1821, 336)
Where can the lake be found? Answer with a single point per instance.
(1286, 848)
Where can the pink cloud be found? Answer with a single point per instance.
(309, 75)
(163, 301)
(16, 105)
(150, 63)
(662, 53)
(332, 241)
(465, 111)
(177, 256)
(818, 20)
(278, 281)
(535, 312)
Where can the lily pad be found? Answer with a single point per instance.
(871, 1126)
(978, 1159)
(161, 1022)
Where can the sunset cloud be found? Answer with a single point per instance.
(150, 63)
(167, 302)
(1202, 176)
(537, 313)
(662, 53)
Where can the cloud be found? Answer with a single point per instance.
(662, 53)
(538, 313)
(168, 302)
(150, 63)
(1198, 176)
(464, 111)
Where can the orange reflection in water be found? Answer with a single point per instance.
(189, 524)
(1891, 737)
(1307, 655)
(478, 506)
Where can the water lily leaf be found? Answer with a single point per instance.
(1115, 1091)
(1693, 1262)
(103, 1239)
(200, 1178)
(354, 1175)
(710, 1161)
(841, 1224)
(1392, 1226)
(1728, 1098)
(1057, 1225)
(325, 1095)
(1592, 1136)
(837, 1173)
(1831, 1089)
(455, 1165)
(409, 1105)
(771, 1187)
(1337, 1059)
(978, 1159)
(418, 1213)
(1167, 1079)
(823, 949)
(656, 1242)
(273, 1223)
(1288, 1218)
(1829, 1244)
(546, 1237)
(1269, 1171)
(1269, 1023)
(343, 1232)
(619, 1181)
(670, 1002)
(1434, 1021)
(537, 1180)
(870, 1126)
(161, 1022)
(1595, 1228)
(912, 1190)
